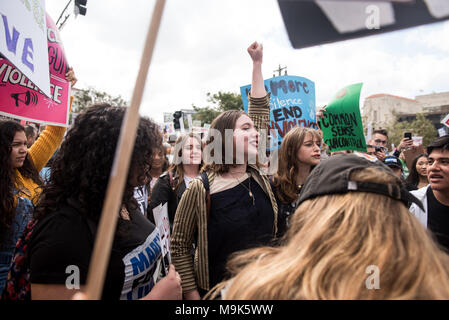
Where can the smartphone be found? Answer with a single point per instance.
(408, 135)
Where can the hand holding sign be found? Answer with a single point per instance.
(70, 77)
(169, 288)
(342, 123)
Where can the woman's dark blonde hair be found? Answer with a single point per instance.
(177, 166)
(332, 243)
(288, 164)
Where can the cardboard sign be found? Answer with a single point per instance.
(417, 140)
(21, 99)
(342, 123)
(160, 214)
(23, 36)
(292, 105)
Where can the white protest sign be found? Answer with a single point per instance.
(23, 39)
(189, 121)
(160, 214)
(417, 141)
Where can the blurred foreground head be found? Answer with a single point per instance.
(351, 238)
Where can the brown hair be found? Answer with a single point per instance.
(177, 166)
(288, 165)
(331, 243)
(225, 120)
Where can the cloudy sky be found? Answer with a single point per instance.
(202, 44)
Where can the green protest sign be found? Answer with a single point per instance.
(341, 123)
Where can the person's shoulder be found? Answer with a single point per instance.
(61, 223)
(164, 178)
(420, 193)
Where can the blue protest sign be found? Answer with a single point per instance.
(292, 104)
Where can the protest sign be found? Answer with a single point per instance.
(445, 121)
(122, 158)
(292, 104)
(21, 99)
(23, 35)
(169, 127)
(411, 154)
(160, 214)
(417, 140)
(341, 123)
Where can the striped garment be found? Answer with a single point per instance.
(191, 215)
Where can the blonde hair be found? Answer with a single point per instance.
(288, 164)
(331, 242)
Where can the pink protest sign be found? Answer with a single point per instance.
(21, 99)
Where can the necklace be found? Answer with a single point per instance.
(249, 189)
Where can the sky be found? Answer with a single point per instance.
(202, 47)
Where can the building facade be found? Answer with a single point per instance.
(380, 110)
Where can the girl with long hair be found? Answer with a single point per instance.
(70, 209)
(232, 206)
(20, 183)
(170, 187)
(299, 153)
(352, 237)
(417, 177)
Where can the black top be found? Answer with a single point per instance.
(65, 238)
(236, 224)
(438, 219)
(285, 210)
(163, 192)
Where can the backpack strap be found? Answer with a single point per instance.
(205, 180)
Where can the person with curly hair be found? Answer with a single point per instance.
(299, 153)
(159, 163)
(187, 162)
(20, 183)
(71, 205)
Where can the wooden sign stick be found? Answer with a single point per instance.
(119, 173)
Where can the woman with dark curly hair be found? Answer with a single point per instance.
(417, 177)
(70, 209)
(159, 163)
(20, 183)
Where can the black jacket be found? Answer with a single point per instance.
(163, 192)
(285, 210)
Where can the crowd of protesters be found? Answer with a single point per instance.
(308, 228)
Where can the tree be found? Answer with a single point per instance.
(82, 98)
(221, 101)
(421, 127)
